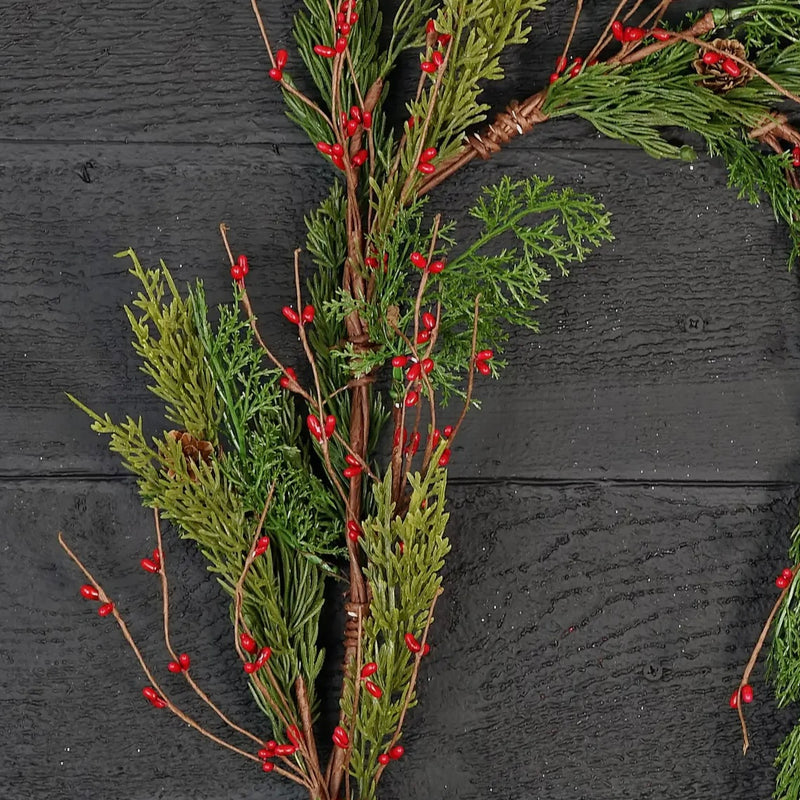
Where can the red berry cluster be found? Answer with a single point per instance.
(796, 156)
(574, 68)
(249, 645)
(303, 318)
(746, 693)
(353, 530)
(261, 546)
(346, 17)
(420, 262)
(240, 268)
(396, 752)
(340, 737)
(288, 379)
(152, 564)
(154, 697)
(181, 665)
(728, 64)
(482, 359)
(367, 671)
(353, 467)
(320, 430)
(784, 579)
(414, 646)
(440, 41)
(276, 73)
(425, 158)
(90, 592)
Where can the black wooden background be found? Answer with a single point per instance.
(619, 507)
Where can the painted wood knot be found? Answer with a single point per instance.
(693, 324)
(652, 672)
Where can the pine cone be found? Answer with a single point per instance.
(194, 451)
(715, 76)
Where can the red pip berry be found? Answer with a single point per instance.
(411, 643)
(290, 314)
(248, 643)
(711, 58)
(428, 320)
(412, 398)
(430, 26)
(324, 148)
(351, 472)
(264, 655)
(237, 273)
(427, 365)
(633, 34)
(288, 378)
(561, 64)
(413, 372)
(89, 592)
(734, 699)
(781, 582)
(330, 425)
(483, 367)
(554, 76)
(397, 752)
(314, 426)
(184, 661)
(425, 168)
(438, 58)
(423, 337)
(419, 260)
(444, 458)
(262, 545)
(324, 51)
(341, 44)
(243, 264)
(148, 565)
(618, 30)
(485, 355)
(435, 438)
(428, 154)
(747, 693)
(373, 689)
(414, 443)
(281, 58)
(276, 74)
(384, 759)
(340, 737)
(150, 694)
(447, 431)
(294, 736)
(308, 314)
(359, 158)
(250, 667)
(661, 34)
(398, 362)
(267, 751)
(355, 113)
(731, 67)
(426, 648)
(174, 667)
(576, 67)
(788, 574)
(352, 460)
(371, 262)
(436, 267)
(267, 766)
(105, 609)
(353, 530)
(428, 66)
(366, 120)
(351, 126)
(285, 750)
(369, 669)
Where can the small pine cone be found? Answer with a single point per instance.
(714, 76)
(194, 451)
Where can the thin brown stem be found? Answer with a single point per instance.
(471, 379)
(576, 16)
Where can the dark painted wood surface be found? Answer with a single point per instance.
(620, 505)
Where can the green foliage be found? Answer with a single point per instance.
(763, 26)
(404, 585)
(787, 785)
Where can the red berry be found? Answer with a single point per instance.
(237, 273)
(398, 362)
(483, 368)
(435, 438)
(423, 337)
(436, 267)
(285, 750)
(426, 648)
(369, 669)
(174, 666)
(373, 689)
(413, 372)
(747, 693)
(731, 67)
(411, 643)
(250, 667)
(290, 314)
(352, 460)
(150, 693)
(340, 737)
(249, 644)
(371, 262)
(427, 365)
(89, 592)
(351, 472)
(576, 68)
(353, 530)
(781, 582)
(384, 759)
(242, 263)
(276, 74)
(414, 444)
(633, 34)
(341, 44)
(554, 76)
(412, 398)
(324, 148)
(105, 609)
(561, 64)
(263, 656)
(359, 158)
(419, 260)
(330, 425)
(267, 766)
(184, 661)
(262, 545)
(485, 355)
(355, 113)
(447, 431)
(428, 154)
(294, 736)
(444, 459)
(428, 66)
(438, 58)
(308, 314)
(711, 58)
(366, 120)
(351, 126)
(617, 29)
(148, 565)
(324, 51)
(281, 58)
(337, 150)
(156, 556)
(661, 34)
(428, 320)
(734, 701)
(397, 752)
(288, 378)
(314, 426)
(788, 574)
(426, 169)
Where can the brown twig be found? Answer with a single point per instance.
(471, 379)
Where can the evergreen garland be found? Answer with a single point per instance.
(284, 480)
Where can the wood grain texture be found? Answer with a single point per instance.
(673, 354)
(585, 647)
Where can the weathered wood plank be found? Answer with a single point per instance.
(183, 72)
(586, 645)
(672, 355)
